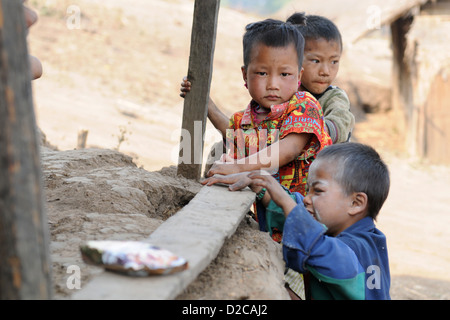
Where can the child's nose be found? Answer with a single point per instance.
(272, 83)
(324, 70)
(307, 200)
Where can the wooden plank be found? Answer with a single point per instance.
(203, 39)
(24, 241)
(197, 233)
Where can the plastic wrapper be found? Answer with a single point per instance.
(132, 257)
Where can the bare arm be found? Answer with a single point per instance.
(271, 158)
(219, 120)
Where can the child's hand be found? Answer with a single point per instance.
(235, 181)
(224, 168)
(274, 188)
(31, 18)
(185, 87)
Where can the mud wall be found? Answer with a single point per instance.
(421, 88)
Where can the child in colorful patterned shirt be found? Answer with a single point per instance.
(281, 129)
(323, 49)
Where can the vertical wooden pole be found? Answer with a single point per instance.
(24, 241)
(203, 39)
(402, 94)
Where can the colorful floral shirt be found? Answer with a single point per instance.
(301, 114)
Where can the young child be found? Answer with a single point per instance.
(293, 121)
(281, 129)
(323, 49)
(330, 233)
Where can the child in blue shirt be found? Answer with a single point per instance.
(329, 235)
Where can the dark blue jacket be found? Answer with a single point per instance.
(353, 265)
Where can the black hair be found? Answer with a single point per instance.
(272, 33)
(359, 168)
(315, 27)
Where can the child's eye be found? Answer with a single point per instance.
(284, 74)
(315, 61)
(261, 73)
(335, 62)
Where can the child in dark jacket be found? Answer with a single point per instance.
(329, 235)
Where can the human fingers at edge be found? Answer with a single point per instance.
(36, 67)
(241, 184)
(185, 87)
(228, 179)
(260, 174)
(31, 16)
(226, 168)
(185, 83)
(216, 178)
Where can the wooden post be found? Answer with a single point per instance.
(24, 240)
(402, 95)
(203, 39)
(81, 139)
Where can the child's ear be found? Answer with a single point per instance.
(359, 204)
(300, 74)
(244, 73)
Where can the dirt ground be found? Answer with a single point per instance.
(117, 74)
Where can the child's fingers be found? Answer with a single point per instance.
(240, 184)
(206, 181)
(259, 182)
(36, 67)
(259, 174)
(213, 180)
(30, 16)
(185, 87)
(185, 82)
(216, 168)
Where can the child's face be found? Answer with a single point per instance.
(272, 75)
(321, 64)
(326, 200)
